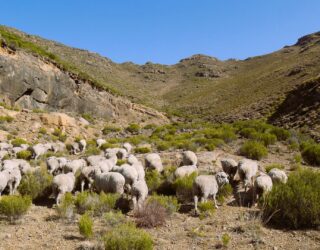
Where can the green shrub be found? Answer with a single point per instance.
(225, 239)
(87, 117)
(92, 150)
(59, 135)
(281, 133)
(152, 214)
(224, 192)
(142, 150)
(127, 236)
(86, 226)
(66, 207)
(110, 129)
(86, 201)
(18, 141)
(311, 154)
(162, 146)
(24, 154)
(265, 138)
(274, 165)
(42, 131)
(206, 209)
(107, 202)
(170, 203)
(154, 180)
(184, 187)
(247, 132)
(121, 162)
(115, 218)
(38, 111)
(36, 184)
(14, 206)
(6, 118)
(253, 150)
(295, 204)
(133, 128)
(108, 145)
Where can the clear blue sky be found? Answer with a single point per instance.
(165, 31)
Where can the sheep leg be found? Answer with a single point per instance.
(82, 185)
(195, 198)
(10, 188)
(134, 201)
(58, 199)
(215, 201)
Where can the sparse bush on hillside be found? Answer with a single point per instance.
(127, 236)
(274, 165)
(59, 135)
(152, 214)
(24, 154)
(295, 204)
(110, 129)
(42, 131)
(108, 145)
(133, 128)
(154, 180)
(184, 187)
(265, 138)
(6, 118)
(281, 133)
(224, 192)
(253, 150)
(86, 226)
(311, 153)
(65, 209)
(170, 203)
(36, 184)
(14, 206)
(142, 150)
(18, 141)
(87, 117)
(206, 209)
(115, 218)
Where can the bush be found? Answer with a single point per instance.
(295, 204)
(18, 141)
(87, 117)
(265, 138)
(142, 150)
(59, 135)
(311, 153)
(107, 202)
(24, 154)
(113, 219)
(14, 206)
(281, 133)
(162, 146)
(154, 180)
(225, 239)
(170, 203)
(152, 214)
(86, 201)
(6, 118)
(36, 184)
(110, 129)
(66, 207)
(184, 187)
(224, 192)
(133, 128)
(42, 131)
(275, 165)
(253, 150)
(86, 226)
(127, 236)
(206, 209)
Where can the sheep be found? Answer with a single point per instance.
(130, 174)
(132, 159)
(105, 165)
(3, 154)
(83, 145)
(139, 193)
(189, 158)
(229, 166)
(100, 142)
(58, 147)
(20, 164)
(40, 149)
(185, 170)
(4, 179)
(140, 170)
(14, 177)
(5, 146)
(55, 164)
(153, 161)
(208, 185)
(278, 176)
(16, 150)
(87, 176)
(94, 159)
(75, 148)
(121, 153)
(262, 185)
(62, 184)
(74, 165)
(127, 146)
(246, 171)
(110, 182)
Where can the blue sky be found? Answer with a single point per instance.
(168, 30)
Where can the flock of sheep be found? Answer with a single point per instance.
(101, 172)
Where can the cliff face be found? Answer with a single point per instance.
(30, 82)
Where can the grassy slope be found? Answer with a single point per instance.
(253, 87)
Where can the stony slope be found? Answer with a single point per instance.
(202, 86)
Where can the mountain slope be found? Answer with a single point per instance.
(201, 86)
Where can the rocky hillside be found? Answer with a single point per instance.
(199, 86)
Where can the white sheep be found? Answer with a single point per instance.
(75, 148)
(55, 165)
(110, 182)
(127, 146)
(19, 164)
(208, 185)
(3, 154)
(5, 146)
(4, 179)
(229, 166)
(262, 185)
(139, 193)
(246, 171)
(129, 173)
(83, 145)
(14, 179)
(278, 176)
(121, 153)
(16, 150)
(95, 159)
(189, 158)
(62, 184)
(74, 165)
(185, 171)
(40, 149)
(153, 161)
(100, 142)
(140, 170)
(58, 147)
(132, 159)
(87, 176)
